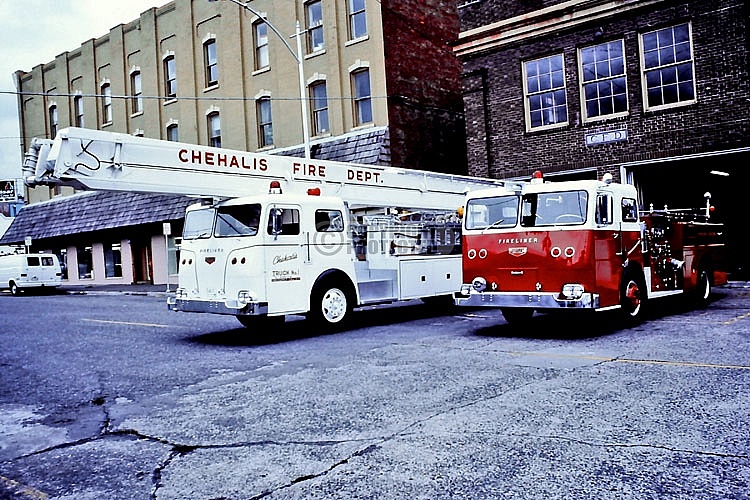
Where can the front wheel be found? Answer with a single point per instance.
(633, 296)
(330, 304)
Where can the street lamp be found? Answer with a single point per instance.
(297, 57)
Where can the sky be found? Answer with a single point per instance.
(34, 32)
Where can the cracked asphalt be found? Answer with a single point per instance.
(112, 396)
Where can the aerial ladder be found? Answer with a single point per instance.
(271, 235)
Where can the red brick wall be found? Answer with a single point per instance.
(423, 80)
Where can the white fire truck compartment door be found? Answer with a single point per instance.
(429, 276)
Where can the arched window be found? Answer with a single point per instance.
(319, 104)
(265, 122)
(362, 96)
(214, 129)
(106, 97)
(136, 92)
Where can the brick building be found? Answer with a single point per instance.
(655, 92)
(380, 72)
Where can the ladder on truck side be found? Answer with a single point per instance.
(97, 160)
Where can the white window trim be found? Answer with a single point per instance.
(584, 118)
(644, 88)
(527, 111)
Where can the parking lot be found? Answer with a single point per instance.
(105, 395)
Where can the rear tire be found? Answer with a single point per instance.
(633, 296)
(15, 289)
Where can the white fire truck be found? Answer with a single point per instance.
(278, 235)
(548, 246)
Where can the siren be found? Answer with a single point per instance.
(274, 188)
(313, 191)
(536, 177)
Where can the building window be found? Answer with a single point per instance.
(357, 19)
(319, 101)
(78, 111)
(544, 89)
(136, 93)
(265, 122)
(106, 96)
(211, 63)
(170, 77)
(85, 263)
(173, 133)
(667, 60)
(53, 122)
(604, 91)
(362, 97)
(214, 129)
(314, 17)
(261, 45)
(113, 261)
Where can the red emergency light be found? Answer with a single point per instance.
(537, 177)
(313, 191)
(274, 188)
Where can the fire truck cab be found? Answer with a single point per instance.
(543, 246)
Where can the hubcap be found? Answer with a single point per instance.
(334, 305)
(633, 295)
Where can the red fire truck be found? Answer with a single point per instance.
(547, 246)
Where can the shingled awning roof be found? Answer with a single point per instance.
(368, 147)
(93, 211)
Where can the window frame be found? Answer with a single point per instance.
(361, 100)
(265, 127)
(106, 100)
(136, 92)
(666, 66)
(170, 76)
(213, 118)
(170, 128)
(598, 80)
(355, 13)
(314, 26)
(553, 90)
(78, 112)
(262, 49)
(54, 120)
(211, 63)
(319, 108)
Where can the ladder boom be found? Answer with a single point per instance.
(110, 161)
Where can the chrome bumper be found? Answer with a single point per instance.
(531, 300)
(217, 307)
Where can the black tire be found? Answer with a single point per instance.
(331, 304)
(517, 315)
(15, 289)
(261, 324)
(633, 296)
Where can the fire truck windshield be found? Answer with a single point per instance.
(493, 212)
(237, 220)
(198, 224)
(552, 209)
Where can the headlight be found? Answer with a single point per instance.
(181, 293)
(572, 291)
(479, 284)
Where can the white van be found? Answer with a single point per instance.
(22, 271)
